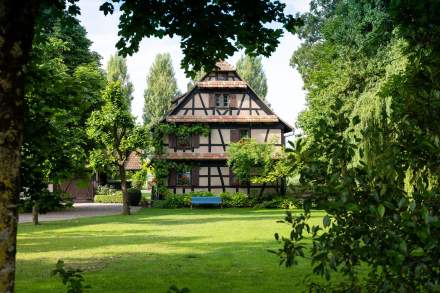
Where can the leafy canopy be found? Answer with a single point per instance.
(161, 89)
(251, 70)
(209, 31)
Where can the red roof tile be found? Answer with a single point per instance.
(133, 162)
(223, 118)
(224, 66)
(222, 84)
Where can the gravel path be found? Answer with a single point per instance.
(80, 210)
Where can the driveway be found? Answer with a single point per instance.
(80, 210)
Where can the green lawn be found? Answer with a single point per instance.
(207, 250)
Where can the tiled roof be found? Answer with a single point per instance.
(223, 118)
(191, 156)
(133, 162)
(222, 84)
(224, 66)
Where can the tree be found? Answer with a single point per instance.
(60, 93)
(233, 21)
(251, 70)
(197, 76)
(161, 89)
(117, 70)
(116, 134)
(371, 146)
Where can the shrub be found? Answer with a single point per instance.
(47, 202)
(112, 198)
(134, 196)
(277, 203)
(106, 190)
(235, 200)
(173, 201)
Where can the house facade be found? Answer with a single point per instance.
(224, 103)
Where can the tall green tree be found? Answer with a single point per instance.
(372, 144)
(117, 70)
(233, 21)
(161, 89)
(113, 129)
(251, 70)
(61, 92)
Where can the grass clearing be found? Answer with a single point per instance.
(206, 250)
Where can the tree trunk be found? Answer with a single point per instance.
(125, 204)
(16, 32)
(35, 213)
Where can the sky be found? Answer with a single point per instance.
(285, 86)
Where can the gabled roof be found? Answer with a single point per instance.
(224, 66)
(229, 84)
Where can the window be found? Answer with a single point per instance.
(183, 142)
(222, 76)
(222, 100)
(184, 178)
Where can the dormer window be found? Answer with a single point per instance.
(222, 100)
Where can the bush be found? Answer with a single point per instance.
(134, 196)
(109, 198)
(277, 203)
(47, 202)
(173, 201)
(105, 190)
(235, 200)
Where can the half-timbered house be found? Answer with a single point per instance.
(228, 105)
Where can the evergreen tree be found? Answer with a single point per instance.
(251, 70)
(117, 70)
(161, 89)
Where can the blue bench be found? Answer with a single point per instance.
(201, 200)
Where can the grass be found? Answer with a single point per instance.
(206, 250)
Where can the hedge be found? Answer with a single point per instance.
(106, 198)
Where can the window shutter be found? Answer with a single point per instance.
(235, 135)
(233, 101)
(211, 100)
(172, 141)
(172, 176)
(195, 141)
(195, 176)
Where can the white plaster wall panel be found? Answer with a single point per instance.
(216, 190)
(258, 134)
(217, 149)
(203, 171)
(231, 190)
(214, 171)
(215, 136)
(203, 139)
(216, 181)
(274, 135)
(203, 181)
(197, 102)
(225, 171)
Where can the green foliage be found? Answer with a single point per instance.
(235, 200)
(251, 70)
(115, 197)
(277, 203)
(256, 162)
(72, 278)
(235, 27)
(160, 91)
(163, 129)
(371, 146)
(117, 71)
(47, 201)
(105, 189)
(63, 85)
(134, 196)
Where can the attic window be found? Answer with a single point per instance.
(222, 100)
